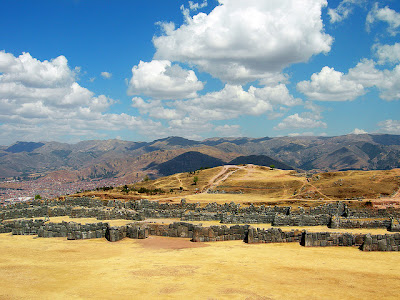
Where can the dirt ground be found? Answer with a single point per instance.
(38, 268)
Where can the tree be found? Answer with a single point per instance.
(38, 197)
(125, 189)
(272, 166)
(146, 178)
(195, 179)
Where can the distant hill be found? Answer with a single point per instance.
(260, 160)
(186, 162)
(24, 147)
(98, 159)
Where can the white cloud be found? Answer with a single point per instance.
(296, 121)
(195, 6)
(390, 126)
(343, 10)
(232, 101)
(330, 85)
(295, 134)
(42, 101)
(228, 130)
(32, 73)
(242, 41)
(358, 131)
(155, 109)
(161, 79)
(106, 75)
(390, 85)
(365, 73)
(385, 14)
(387, 53)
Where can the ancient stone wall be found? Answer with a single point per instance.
(380, 242)
(21, 227)
(73, 231)
(272, 235)
(202, 216)
(328, 239)
(301, 220)
(249, 218)
(220, 233)
(345, 223)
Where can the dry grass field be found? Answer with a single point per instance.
(262, 185)
(173, 268)
(170, 268)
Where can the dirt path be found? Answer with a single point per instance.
(180, 181)
(226, 171)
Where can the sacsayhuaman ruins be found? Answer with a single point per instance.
(33, 219)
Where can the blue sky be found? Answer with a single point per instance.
(140, 70)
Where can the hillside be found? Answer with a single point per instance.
(262, 185)
(133, 160)
(260, 160)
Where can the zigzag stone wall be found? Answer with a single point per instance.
(338, 222)
(327, 239)
(76, 231)
(273, 235)
(387, 242)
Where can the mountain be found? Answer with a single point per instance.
(188, 161)
(260, 160)
(23, 147)
(98, 159)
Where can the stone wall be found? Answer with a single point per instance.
(272, 235)
(338, 222)
(249, 218)
(220, 233)
(328, 239)
(380, 242)
(21, 227)
(201, 216)
(301, 220)
(73, 231)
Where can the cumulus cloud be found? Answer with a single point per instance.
(390, 126)
(155, 109)
(41, 100)
(228, 130)
(230, 102)
(195, 6)
(390, 16)
(295, 134)
(358, 131)
(106, 75)
(160, 79)
(343, 10)
(330, 85)
(297, 121)
(233, 101)
(242, 41)
(387, 53)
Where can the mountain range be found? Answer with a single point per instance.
(133, 160)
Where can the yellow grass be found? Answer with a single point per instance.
(261, 185)
(96, 269)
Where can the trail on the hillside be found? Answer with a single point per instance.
(180, 181)
(223, 175)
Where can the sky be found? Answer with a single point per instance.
(73, 70)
